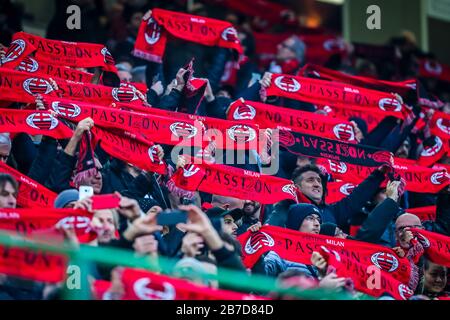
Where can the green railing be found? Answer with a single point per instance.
(85, 256)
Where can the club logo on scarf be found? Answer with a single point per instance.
(257, 241)
(70, 110)
(287, 84)
(423, 240)
(125, 93)
(286, 138)
(338, 167)
(230, 34)
(183, 130)
(80, 223)
(28, 65)
(153, 154)
(244, 112)
(190, 170)
(152, 32)
(37, 86)
(16, 48)
(42, 121)
(404, 291)
(439, 177)
(390, 104)
(344, 132)
(241, 133)
(108, 58)
(290, 189)
(433, 67)
(429, 151)
(443, 125)
(384, 261)
(382, 156)
(146, 290)
(334, 252)
(347, 188)
(334, 45)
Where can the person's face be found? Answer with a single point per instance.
(401, 225)
(8, 196)
(95, 181)
(229, 225)
(311, 224)
(124, 76)
(4, 153)
(311, 185)
(435, 278)
(104, 225)
(285, 51)
(403, 151)
(250, 207)
(340, 234)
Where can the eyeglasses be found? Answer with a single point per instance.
(400, 229)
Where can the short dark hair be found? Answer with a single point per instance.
(309, 167)
(5, 178)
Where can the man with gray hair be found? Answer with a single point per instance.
(5, 147)
(290, 56)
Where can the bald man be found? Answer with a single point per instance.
(227, 203)
(406, 220)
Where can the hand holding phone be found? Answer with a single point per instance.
(85, 192)
(171, 218)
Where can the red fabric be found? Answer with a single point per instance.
(434, 148)
(136, 151)
(31, 194)
(318, 147)
(424, 213)
(354, 230)
(70, 54)
(33, 122)
(145, 285)
(418, 179)
(433, 69)
(440, 125)
(152, 35)
(362, 279)
(336, 191)
(19, 86)
(402, 88)
(18, 50)
(268, 116)
(298, 247)
(234, 182)
(333, 93)
(32, 65)
(437, 246)
(28, 221)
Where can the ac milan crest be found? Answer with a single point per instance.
(347, 188)
(287, 84)
(69, 110)
(28, 65)
(390, 104)
(423, 240)
(230, 34)
(440, 177)
(344, 132)
(125, 93)
(443, 125)
(244, 112)
(183, 130)
(78, 223)
(108, 58)
(433, 67)
(42, 121)
(146, 290)
(286, 138)
(382, 156)
(257, 241)
(37, 86)
(14, 51)
(241, 133)
(189, 170)
(404, 291)
(338, 167)
(385, 261)
(433, 149)
(152, 32)
(290, 189)
(153, 154)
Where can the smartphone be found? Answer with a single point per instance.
(85, 192)
(105, 201)
(171, 218)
